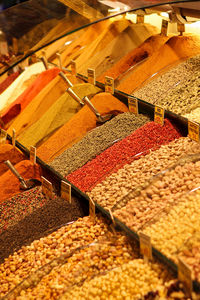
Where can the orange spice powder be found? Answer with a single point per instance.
(7, 151)
(78, 126)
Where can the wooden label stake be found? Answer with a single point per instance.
(66, 191)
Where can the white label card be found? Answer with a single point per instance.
(109, 85)
(3, 136)
(33, 154)
(185, 275)
(164, 27)
(73, 67)
(4, 48)
(145, 246)
(133, 105)
(13, 137)
(47, 188)
(91, 76)
(66, 191)
(92, 209)
(159, 114)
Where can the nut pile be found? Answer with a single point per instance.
(133, 280)
(194, 115)
(96, 141)
(162, 191)
(29, 258)
(148, 136)
(84, 264)
(163, 87)
(111, 193)
(171, 228)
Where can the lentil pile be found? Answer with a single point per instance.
(78, 126)
(30, 215)
(144, 138)
(111, 193)
(96, 141)
(162, 191)
(57, 115)
(158, 89)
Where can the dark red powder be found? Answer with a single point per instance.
(146, 137)
(5, 84)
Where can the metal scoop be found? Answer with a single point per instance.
(101, 119)
(24, 184)
(69, 89)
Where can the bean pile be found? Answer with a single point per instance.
(92, 260)
(30, 215)
(96, 141)
(190, 255)
(133, 280)
(158, 88)
(144, 138)
(111, 193)
(162, 191)
(171, 228)
(40, 252)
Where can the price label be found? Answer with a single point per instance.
(73, 67)
(4, 48)
(133, 105)
(13, 137)
(109, 85)
(16, 69)
(164, 27)
(33, 154)
(140, 18)
(180, 28)
(145, 246)
(159, 113)
(193, 131)
(3, 136)
(15, 45)
(47, 188)
(66, 191)
(91, 76)
(92, 209)
(185, 275)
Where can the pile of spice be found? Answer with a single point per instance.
(29, 258)
(27, 96)
(30, 215)
(20, 85)
(163, 84)
(144, 138)
(139, 171)
(158, 194)
(57, 115)
(9, 184)
(175, 49)
(5, 84)
(78, 126)
(39, 105)
(7, 151)
(144, 51)
(96, 141)
(114, 43)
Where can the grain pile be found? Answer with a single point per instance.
(96, 141)
(115, 157)
(111, 193)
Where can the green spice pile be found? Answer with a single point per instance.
(96, 141)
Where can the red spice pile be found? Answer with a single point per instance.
(146, 137)
(5, 84)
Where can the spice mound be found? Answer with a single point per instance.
(7, 151)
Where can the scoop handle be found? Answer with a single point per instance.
(14, 171)
(66, 80)
(91, 106)
(74, 95)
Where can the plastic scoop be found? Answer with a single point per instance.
(69, 89)
(101, 118)
(24, 184)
